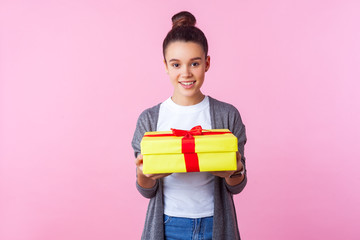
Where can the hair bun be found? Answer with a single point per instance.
(183, 18)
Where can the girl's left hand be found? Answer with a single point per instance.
(227, 174)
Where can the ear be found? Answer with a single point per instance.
(166, 67)
(207, 63)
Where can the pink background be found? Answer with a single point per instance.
(75, 75)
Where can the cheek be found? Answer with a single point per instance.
(200, 73)
(173, 76)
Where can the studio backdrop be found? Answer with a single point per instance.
(76, 74)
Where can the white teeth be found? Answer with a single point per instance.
(187, 83)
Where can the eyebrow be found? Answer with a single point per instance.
(192, 59)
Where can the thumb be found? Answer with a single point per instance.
(139, 160)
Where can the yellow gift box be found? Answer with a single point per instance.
(196, 150)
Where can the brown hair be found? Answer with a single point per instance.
(184, 29)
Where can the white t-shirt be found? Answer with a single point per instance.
(188, 195)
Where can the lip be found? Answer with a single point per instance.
(187, 86)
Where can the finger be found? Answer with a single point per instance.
(223, 174)
(238, 156)
(240, 166)
(157, 176)
(153, 176)
(139, 160)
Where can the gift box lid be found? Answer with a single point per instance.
(164, 142)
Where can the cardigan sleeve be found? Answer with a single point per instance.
(146, 122)
(140, 130)
(148, 192)
(238, 129)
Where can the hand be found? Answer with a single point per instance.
(139, 164)
(227, 174)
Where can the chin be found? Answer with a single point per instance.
(190, 94)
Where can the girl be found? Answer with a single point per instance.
(197, 205)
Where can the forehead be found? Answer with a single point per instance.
(184, 50)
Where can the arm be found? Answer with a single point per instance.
(236, 126)
(238, 129)
(146, 122)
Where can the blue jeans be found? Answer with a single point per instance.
(177, 228)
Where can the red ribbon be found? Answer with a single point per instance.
(197, 130)
(188, 145)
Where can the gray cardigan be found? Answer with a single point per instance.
(223, 116)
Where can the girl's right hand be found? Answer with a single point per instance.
(139, 164)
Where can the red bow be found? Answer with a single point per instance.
(197, 130)
(188, 147)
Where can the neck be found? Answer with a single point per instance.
(188, 101)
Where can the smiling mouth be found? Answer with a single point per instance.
(187, 83)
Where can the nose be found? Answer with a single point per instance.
(186, 71)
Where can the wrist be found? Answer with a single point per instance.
(143, 180)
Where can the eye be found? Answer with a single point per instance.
(176, 65)
(195, 64)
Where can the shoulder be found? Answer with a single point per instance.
(146, 122)
(149, 117)
(222, 107)
(224, 115)
(150, 112)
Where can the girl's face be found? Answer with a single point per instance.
(186, 65)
